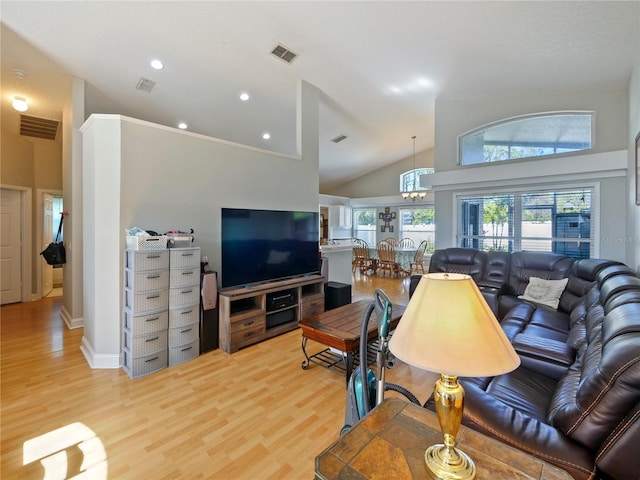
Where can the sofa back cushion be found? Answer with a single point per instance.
(603, 384)
(459, 260)
(581, 277)
(616, 285)
(524, 265)
(496, 270)
(612, 271)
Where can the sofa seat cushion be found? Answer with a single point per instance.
(517, 319)
(551, 320)
(525, 317)
(545, 333)
(524, 390)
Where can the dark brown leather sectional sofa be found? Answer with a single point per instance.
(575, 399)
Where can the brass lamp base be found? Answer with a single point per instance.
(445, 463)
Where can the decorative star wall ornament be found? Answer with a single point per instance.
(387, 217)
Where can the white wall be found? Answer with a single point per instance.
(383, 181)
(605, 165)
(457, 116)
(102, 263)
(159, 178)
(72, 120)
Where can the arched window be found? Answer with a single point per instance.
(535, 135)
(410, 181)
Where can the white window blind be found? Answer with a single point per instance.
(551, 221)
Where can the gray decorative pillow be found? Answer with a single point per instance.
(545, 292)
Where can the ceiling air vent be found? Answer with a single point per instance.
(38, 127)
(145, 84)
(284, 54)
(339, 138)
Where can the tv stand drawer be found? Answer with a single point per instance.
(247, 336)
(246, 324)
(312, 307)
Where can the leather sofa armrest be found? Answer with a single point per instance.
(494, 284)
(491, 291)
(549, 357)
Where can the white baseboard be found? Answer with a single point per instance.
(96, 360)
(71, 322)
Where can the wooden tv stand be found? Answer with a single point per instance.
(246, 316)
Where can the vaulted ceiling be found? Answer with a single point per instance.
(379, 65)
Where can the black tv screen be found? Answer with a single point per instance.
(264, 245)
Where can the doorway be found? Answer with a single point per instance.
(52, 276)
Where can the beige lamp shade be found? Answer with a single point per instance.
(448, 328)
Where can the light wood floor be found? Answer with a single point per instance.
(251, 415)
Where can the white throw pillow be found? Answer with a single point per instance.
(545, 292)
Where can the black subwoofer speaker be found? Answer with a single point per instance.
(336, 294)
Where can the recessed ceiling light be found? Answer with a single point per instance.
(266, 135)
(20, 104)
(244, 96)
(182, 126)
(157, 64)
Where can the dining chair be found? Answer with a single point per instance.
(406, 243)
(391, 241)
(387, 258)
(417, 265)
(361, 257)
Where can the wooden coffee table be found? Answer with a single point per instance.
(339, 329)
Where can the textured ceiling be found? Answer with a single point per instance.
(379, 65)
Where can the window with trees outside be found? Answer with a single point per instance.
(557, 221)
(418, 224)
(410, 181)
(527, 136)
(364, 225)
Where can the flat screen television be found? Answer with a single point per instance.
(265, 245)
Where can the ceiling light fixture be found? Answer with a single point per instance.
(157, 64)
(20, 104)
(413, 194)
(266, 135)
(244, 96)
(182, 126)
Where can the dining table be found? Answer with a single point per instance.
(404, 256)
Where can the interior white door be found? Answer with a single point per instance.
(10, 247)
(47, 238)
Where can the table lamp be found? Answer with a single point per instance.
(448, 328)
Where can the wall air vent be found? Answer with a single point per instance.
(339, 138)
(145, 84)
(284, 54)
(38, 127)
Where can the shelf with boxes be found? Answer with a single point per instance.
(161, 308)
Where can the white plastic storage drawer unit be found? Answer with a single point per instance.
(184, 304)
(145, 260)
(146, 311)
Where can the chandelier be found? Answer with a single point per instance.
(414, 194)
